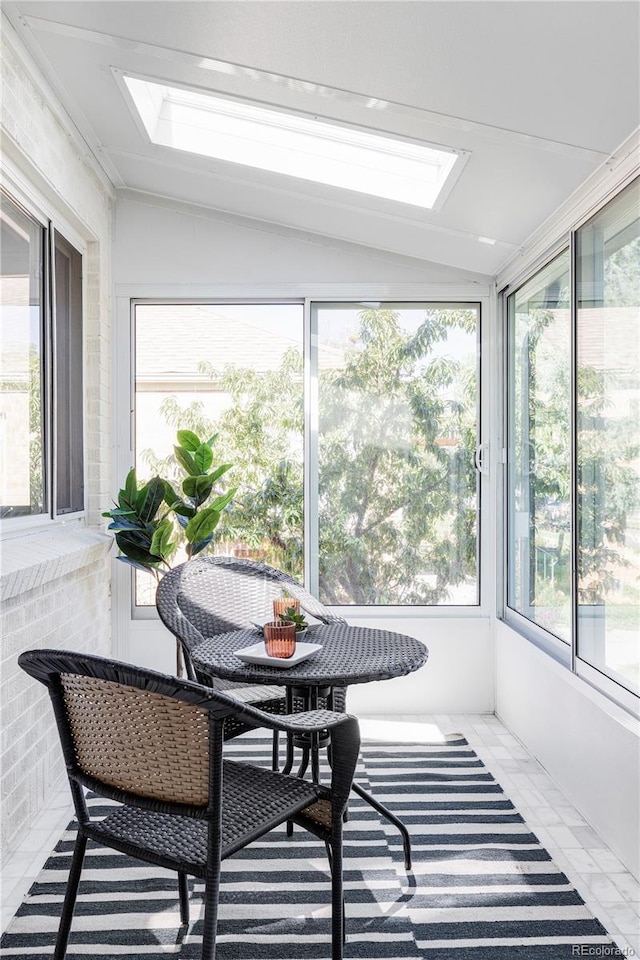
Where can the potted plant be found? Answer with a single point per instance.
(149, 520)
(293, 615)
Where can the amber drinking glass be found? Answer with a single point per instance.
(281, 604)
(280, 639)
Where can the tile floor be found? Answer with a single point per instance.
(608, 889)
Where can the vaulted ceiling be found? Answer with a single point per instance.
(537, 95)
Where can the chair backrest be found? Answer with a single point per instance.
(129, 733)
(208, 596)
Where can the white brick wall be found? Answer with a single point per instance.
(55, 579)
(66, 612)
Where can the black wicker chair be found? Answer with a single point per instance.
(209, 596)
(154, 744)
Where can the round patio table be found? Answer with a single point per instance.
(348, 655)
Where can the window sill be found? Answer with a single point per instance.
(44, 555)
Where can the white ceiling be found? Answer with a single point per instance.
(538, 93)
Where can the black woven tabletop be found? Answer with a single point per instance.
(348, 655)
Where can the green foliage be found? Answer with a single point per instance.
(397, 505)
(607, 482)
(147, 534)
(608, 449)
(397, 501)
(290, 616)
(36, 492)
(261, 434)
(142, 535)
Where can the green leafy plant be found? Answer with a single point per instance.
(150, 520)
(290, 616)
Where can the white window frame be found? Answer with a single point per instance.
(127, 615)
(587, 204)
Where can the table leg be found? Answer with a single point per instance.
(386, 813)
(315, 739)
(288, 762)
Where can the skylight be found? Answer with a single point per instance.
(292, 144)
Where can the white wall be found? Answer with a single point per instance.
(458, 677)
(589, 745)
(54, 580)
(162, 242)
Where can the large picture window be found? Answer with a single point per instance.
(573, 412)
(41, 402)
(393, 422)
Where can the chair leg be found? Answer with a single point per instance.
(210, 920)
(338, 935)
(330, 859)
(62, 939)
(275, 752)
(183, 890)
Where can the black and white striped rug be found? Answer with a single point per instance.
(482, 887)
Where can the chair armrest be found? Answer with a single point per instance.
(345, 740)
(311, 721)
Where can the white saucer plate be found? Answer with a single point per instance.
(256, 653)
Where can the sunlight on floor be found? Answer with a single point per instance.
(392, 731)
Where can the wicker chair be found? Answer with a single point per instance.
(214, 595)
(154, 744)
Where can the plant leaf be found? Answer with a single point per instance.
(126, 504)
(175, 502)
(200, 545)
(131, 486)
(218, 472)
(148, 568)
(133, 549)
(121, 524)
(203, 458)
(222, 501)
(186, 461)
(202, 525)
(189, 440)
(161, 544)
(198, 488)
(153, 497)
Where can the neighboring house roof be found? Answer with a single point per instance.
(173, 339)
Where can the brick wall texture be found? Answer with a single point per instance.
(69, 608)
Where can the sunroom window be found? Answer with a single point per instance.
(359, 479)
(608, 439)
(573, 457)
(539, 501)
(41, 398)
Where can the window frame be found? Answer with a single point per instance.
(312, 534)
(560, 649)
(51, 222)
(54, 234)
(127, 296)
(565, 653)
